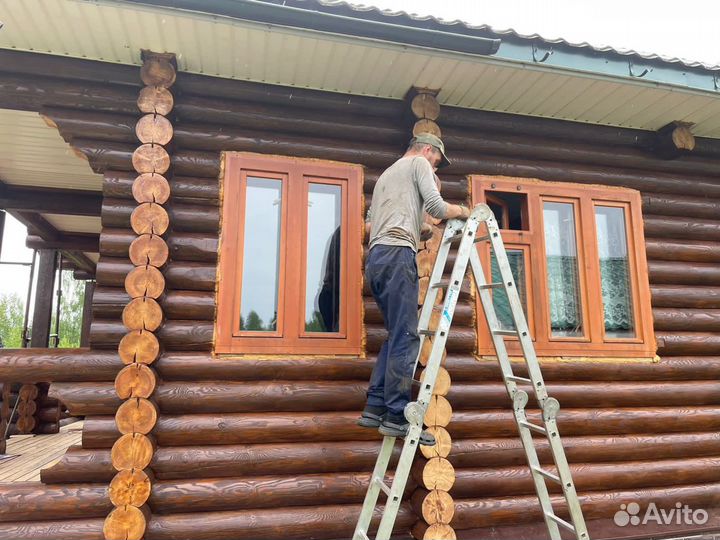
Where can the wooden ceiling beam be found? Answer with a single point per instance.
(52, 201)
(87, 242)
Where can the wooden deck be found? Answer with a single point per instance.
(27, 454)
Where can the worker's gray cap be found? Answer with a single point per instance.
(433, 140)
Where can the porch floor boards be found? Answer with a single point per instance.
(26, 455)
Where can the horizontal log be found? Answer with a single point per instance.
(192, 367)
(109, 302)
(51, 201)
(183, 246)
(505, 452)
(460, 339)
(682, 273)
(472, 513)
(175, 335)
(570, 151)
(94, 465)
(659, 204)
(184, 217)
(182, 275)
(31, 92)
(76, 242)
(234, 428)
(34, 501)
(452, 186)
(176, 397)
(681, 228)
(686, 319)
(210, 494)
(35, 365)
(67, 529)
(685, 343)
(307, 396)
(568, 171)
(463, 316)
(324, 523)
(206, 191)
(502, 482)
(681, 296)
(300, 98)
(688, 250)
(599, 529)
(105, 155)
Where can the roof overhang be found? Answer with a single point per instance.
(283, 45)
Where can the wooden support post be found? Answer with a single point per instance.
(2, 229)
(87, 314)
(42, 311)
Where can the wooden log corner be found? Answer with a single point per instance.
(674, 140)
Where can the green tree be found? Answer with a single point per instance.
(315, 324)
(12, 315)
(254, 322)
(71, 311)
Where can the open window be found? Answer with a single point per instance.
(577, 255)
(290, 257)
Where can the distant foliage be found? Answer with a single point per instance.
(71, 311)
(12, 313)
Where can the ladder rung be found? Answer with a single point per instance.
(499, 332)
(455, 237)
(426, 332)
(516, 378)
(533, 427)
(482, 239)
(382, 485)
(440, 284)
(547, 474)
(416, 382)
(490, 286)
(363, 535)
(560, 521)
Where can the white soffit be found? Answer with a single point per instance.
(115, 32)
(34, 154)
(74, 224)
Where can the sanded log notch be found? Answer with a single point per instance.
(136, 383)
(436, 475)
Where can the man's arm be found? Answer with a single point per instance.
(434, 203)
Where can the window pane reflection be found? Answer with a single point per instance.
(614, 271)
(261, 255)
(322, 279)
(516, 259)
(562, 270)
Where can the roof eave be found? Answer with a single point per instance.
(313, 19)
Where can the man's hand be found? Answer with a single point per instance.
(464, 212)
(426, 232)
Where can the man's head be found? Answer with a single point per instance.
(431, 148)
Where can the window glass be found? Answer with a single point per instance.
(516, 259)
(562, 270)
(261, 255)
(322, 278)
(614, 271)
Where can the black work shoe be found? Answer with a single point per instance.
(395, 426)
(372, 417)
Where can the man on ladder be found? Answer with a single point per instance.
(401, 195)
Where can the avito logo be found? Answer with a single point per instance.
(629, 514)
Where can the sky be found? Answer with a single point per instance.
(686, 30)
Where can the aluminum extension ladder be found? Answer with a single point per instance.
(415, 411)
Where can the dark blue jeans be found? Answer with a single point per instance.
(392, 274)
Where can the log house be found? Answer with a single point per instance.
(232, 336)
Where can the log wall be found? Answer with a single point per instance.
(248, 448)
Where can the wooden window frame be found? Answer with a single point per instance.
(290, 336)
(585, 198)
